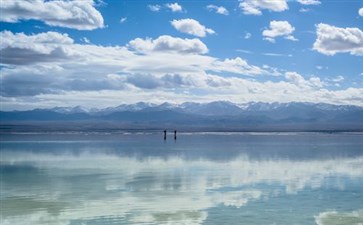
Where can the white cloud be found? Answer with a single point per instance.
(277, 29)
(218, 9)
(291, 38)
(123, 19)
(154, 8)
(100, 3)
(85, 40)
(304, 10)
(244, 51)
(309, 2)
(238, 66)
(59, 72)
(338, 79)
(80, 15)
(21, 49)
(254, 7)
(300, 81)
(174, 7)
(360, 12)
(247, 35)
(167, 43)
(20, 39)
(332, 40)
(191, 26)
(276, 54)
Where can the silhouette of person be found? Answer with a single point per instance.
(164, 134)
(174, 134)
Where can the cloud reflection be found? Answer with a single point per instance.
(85, 188)
(336, 218)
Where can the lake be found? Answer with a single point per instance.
(200, 178)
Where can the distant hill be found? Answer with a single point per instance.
(219, 115)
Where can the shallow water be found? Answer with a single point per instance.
(204, 178)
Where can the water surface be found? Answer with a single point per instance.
(203, 178)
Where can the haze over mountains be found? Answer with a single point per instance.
(219, 115)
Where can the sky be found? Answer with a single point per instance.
(105, 53)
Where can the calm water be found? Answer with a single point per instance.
(205, 178)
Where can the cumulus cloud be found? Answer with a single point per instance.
(123, 19)
(145, 81)
(304, 10)
(28, 81)
(162, 69)
(238, 66)
(338, 79)
(172, 81)
(85, 40)
(54, 63)
(279, 29)
(191, 26)
(360, 11)
(20, 49)
(254, 7)
(247, 35)
(167, 43)
(47, 79)
(309, 2)
(300, 81)
(174, 7)
(80, 15)
(154, 8)
(218, 9)
(332, 40)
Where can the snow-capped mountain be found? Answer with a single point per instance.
(126, 107)
(217, 108)
(215, 115)
(70, 110)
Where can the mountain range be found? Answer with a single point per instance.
(218, 115)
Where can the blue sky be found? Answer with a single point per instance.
(105, 53)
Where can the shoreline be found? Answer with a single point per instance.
(182, 133)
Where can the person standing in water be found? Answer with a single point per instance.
(174, 134)
(164, 134)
